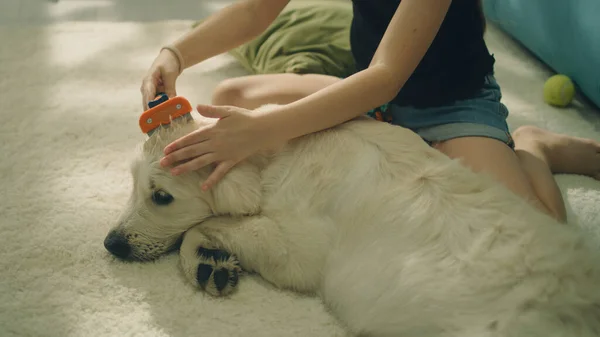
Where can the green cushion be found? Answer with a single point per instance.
(309, 37)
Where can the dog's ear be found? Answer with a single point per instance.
(239, 192)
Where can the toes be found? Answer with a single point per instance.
(218, 271)
(203, 274)
(221, 279)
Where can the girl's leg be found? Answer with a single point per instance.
(528, 171)
(492, 156)
(250, 92)
(562, 153)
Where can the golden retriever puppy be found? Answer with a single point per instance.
(396, 238)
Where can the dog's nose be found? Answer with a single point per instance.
(117, 245)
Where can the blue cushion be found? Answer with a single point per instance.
(564, 34)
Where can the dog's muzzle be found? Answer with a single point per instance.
(117, 245)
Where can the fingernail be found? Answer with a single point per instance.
(164, 162)
(175, 172)
(204, 187)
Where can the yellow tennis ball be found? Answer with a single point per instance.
(559, 90)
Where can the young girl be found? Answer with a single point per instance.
(423, 65)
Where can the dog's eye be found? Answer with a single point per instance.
(161, 197)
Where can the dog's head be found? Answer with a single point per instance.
(161, 207)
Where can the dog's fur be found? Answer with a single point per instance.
(396, 238)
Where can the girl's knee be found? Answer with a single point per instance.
(252, 91)
(518, 171)
(230, 92)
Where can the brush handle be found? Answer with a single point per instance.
(160, 97)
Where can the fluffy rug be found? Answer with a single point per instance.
(69, 99)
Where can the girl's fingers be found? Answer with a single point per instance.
(212, 111)
(194, 164)
(186, 153)
(219, 172)
(169, 84)
(197, 136)
(148, 88)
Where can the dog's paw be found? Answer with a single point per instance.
(218, 271)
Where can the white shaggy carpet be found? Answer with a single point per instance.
(69, 103)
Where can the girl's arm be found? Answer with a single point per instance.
(408, 36)
(238, 132)
(230, 27)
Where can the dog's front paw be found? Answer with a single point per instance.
(218, 271)
(213, 270)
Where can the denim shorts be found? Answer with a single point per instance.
(482, 115)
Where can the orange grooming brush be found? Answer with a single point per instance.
(162, 111)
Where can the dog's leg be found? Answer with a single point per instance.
(260, 244)
(214, 270)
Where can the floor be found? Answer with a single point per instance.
(35, 12)
(32, 12)
(70, 101)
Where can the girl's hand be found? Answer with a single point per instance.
(235, 135)
(160, 77)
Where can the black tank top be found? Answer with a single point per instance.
(455, 64)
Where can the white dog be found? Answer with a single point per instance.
(396, 238)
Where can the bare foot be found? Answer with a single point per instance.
(564, 154)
